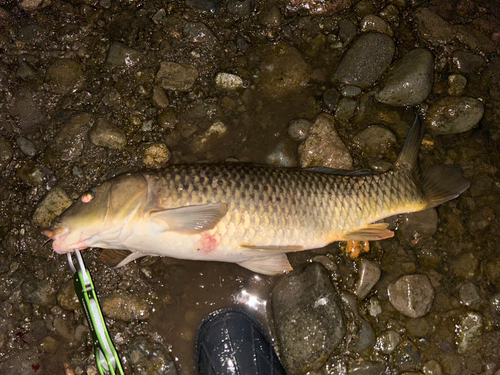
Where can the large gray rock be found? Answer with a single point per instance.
(410, 82)
(452, 115)
(308, 319)
(323, 146)
(366, 60)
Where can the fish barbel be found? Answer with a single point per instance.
(250, 215)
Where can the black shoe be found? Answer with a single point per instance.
(231, 341)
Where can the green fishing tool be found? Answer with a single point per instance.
(106, 356)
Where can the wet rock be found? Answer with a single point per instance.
(331, 99)
(492, 270)
(417, 225)
(327, 262)
(30, 5)
(283, 156)
(106, 135)
(25, 72)
(456, 84)
(481, 186)
(411, 295)
(22, 363)
(451, 115)
(151, 357)
(323, 147)
(160, 98)
(480, 220)
(407, 357)
(388, 342)
(469, 332)
(205, 6)
(125, 306)
(318, 6)
(52, 205)
(432, 368)
(66, 297)
(68, 146)
(283, 71)
(418, 327)
(465, 266)
(375, 141)
(6, 153)
(467, 62)
(308, 318)
(298, 129)
(167, 119)
(367, 59)
(26, 108)
(38, 292)
(122, 56)
(155, 153)
(270, 16)
(433, 28)
(347, 31)
(241, 8)
(368, 275)
(228, 81)
(469, 294)
(350, 91)
(172, 76)
(371, 22)
(198, 32)
(64, 76)
(49, 345)
(474, 39)
(366, 368)
(26, 146)
(410, 82)
(346, 108)
(364, 337)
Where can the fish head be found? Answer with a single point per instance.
(99, 214)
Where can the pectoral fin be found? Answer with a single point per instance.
(190, 219)
(130, 258)
(372, 232)
(270, 265)
(112, 257)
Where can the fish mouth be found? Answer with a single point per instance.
(58, 235)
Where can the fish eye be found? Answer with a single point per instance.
(88, 196)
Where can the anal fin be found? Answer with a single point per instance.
(372, 232)
(270, 265)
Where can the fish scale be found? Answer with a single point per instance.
(249, 215)
(300, 200)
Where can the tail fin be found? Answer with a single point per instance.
(408, 157)
(442, 183)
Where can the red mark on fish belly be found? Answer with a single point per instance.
(208, 242)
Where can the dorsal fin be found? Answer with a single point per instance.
(408, 157)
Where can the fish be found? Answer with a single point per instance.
(247, 214)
